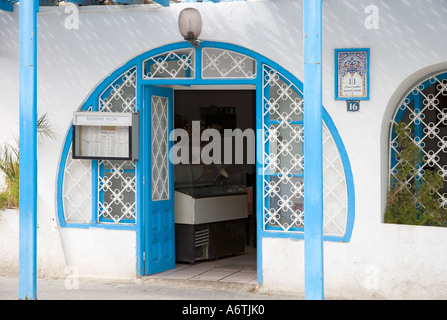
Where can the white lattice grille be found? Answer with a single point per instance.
(335, 197)
(160, 164)
(120, 95)
(283, 153)
(77, 190)
(116, 179)
(117, 188)
(220, 63)
(283, 166)
(424, 112)
(173, 64)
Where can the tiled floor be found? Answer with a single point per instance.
(240, 268)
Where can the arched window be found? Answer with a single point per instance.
(102, 191)
(418, 156)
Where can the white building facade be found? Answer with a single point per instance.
(94, 215)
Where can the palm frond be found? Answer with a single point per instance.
(9, 160)
(44, 127)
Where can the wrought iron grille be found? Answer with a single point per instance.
(173, 64)
(116, 190)
(283, 153)
(424, 113)
(160, 161)
(77, 190)
(120, 95)
(283, 166)
(219, 63)
(335, 196)
(116, 179)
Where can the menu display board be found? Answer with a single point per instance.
(99, 135)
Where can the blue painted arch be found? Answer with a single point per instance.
(92, 101)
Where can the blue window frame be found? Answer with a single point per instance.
(423, 112)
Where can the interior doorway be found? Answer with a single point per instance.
(215, 216)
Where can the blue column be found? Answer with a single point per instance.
(28, 150)
(313, 151)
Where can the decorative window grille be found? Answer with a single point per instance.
(116, 191)
(424, 112)
(176, 64)
(335, 194)
(116, 179)
(283, 166)
(220, 63)
(77, 190)
(160, 161)
(120, 95)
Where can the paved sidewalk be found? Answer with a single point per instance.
(137, 290)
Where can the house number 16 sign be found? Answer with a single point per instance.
(353, 105)
(352, 74)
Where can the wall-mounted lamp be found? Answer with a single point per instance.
(190, 26)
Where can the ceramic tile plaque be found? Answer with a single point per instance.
(352, 74)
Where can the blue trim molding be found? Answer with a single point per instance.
(7, 5)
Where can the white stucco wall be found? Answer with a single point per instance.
(381, 261)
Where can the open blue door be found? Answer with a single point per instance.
(159, 230)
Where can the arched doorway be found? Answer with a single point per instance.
(121, 194)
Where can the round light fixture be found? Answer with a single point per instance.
(190, 25)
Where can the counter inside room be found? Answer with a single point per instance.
(213, 201)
